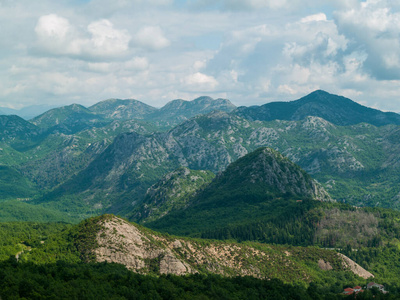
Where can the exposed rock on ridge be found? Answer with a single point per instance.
(145, 252)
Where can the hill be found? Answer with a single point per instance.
(335, 109)
(144, 251)
(258, 187)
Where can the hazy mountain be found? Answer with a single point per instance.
(27, 112)
(335, 109)
(126, 109)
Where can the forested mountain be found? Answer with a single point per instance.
(335, 109)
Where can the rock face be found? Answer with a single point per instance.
(124, 243)
(146, 252)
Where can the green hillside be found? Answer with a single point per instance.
(260, 186)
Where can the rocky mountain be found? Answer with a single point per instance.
(172, 192)
(335, 109)
(118, 109)
(144, 251)
(348, 161)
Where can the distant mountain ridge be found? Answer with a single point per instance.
(28, 112)
(335, 109)
(75, 117)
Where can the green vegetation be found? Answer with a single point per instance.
(173, 192)
(14, 185)
(51, 256)
(110, 281)
(17, 210)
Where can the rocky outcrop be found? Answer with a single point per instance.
(145, 251)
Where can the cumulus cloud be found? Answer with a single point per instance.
(157, 50)
(314, 18)
(151, 38)
(201, 82)
(373, 26)
(56, 36)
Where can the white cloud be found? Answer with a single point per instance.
(57, 36)
(137, 63)
(314, 18)
(258, 50)
(151, 38)
(373, 26)
(106, 40)
(201, 82)
(52, 27)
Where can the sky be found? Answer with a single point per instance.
(249, 51)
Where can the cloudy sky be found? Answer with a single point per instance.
(249, 51)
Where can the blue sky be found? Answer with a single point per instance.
(249, 51)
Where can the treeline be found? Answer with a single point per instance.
(307, 223)
(112, 281)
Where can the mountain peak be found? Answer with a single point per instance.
(335, 109)
(275, 172)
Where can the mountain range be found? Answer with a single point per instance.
(272, 192)
(100, 158)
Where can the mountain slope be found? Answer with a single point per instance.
(172, 192)
(14, 128)
(260, 186)
(335, 109)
